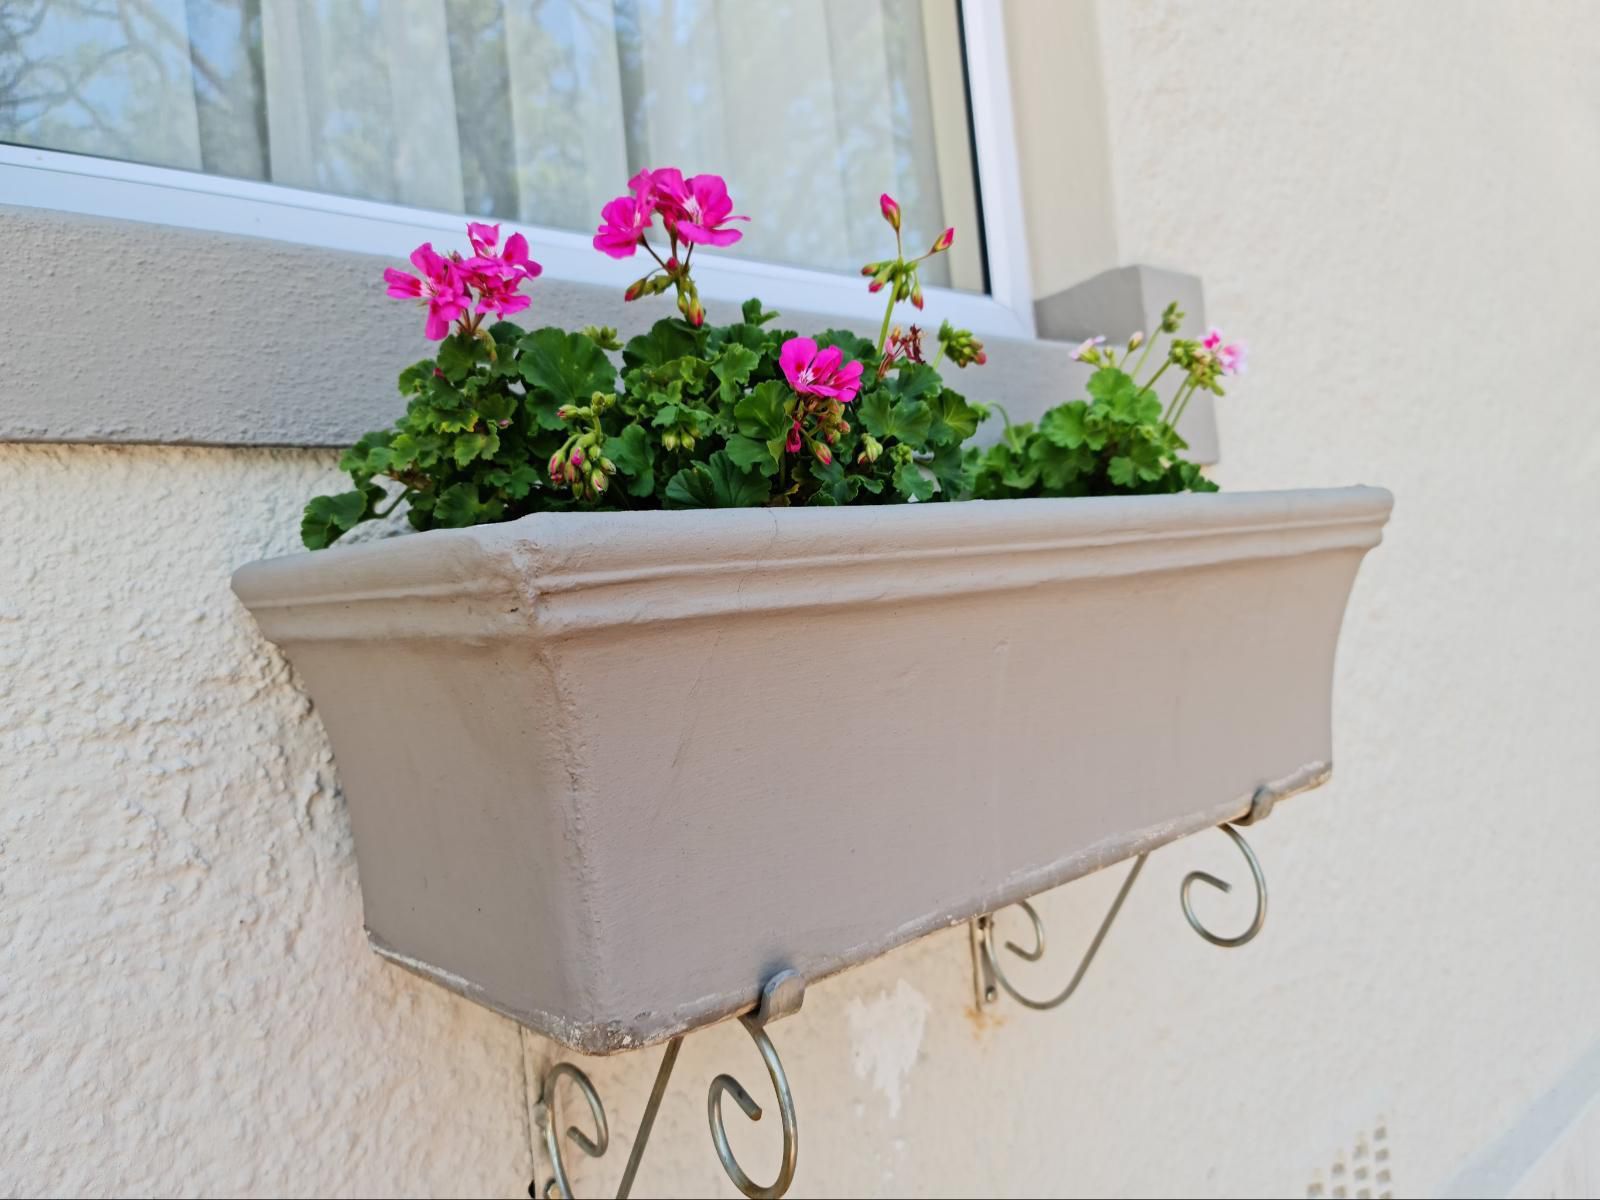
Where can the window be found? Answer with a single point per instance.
(410, 113)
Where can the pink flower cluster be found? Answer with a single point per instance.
(449, 285)
(1230, 357)
(695, 211)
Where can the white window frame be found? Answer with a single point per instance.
(77, 183)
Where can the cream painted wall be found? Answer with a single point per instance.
(1394, 205)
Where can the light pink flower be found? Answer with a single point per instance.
(1230, 356)
(819, 373)
(438, 283)
(696, 208)
(1087, 347)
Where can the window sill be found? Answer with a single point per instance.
(213, 339)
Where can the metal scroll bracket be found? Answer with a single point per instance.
(781, 997)
(989, 973)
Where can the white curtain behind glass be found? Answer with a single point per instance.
(533, 110)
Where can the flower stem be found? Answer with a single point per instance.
(1180, 404)
(883, 333)
(1155, 377)
(1139, 366)
(404, 495)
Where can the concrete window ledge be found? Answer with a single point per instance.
(609, 772)
(238, 341)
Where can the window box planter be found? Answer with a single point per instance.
(608, 773)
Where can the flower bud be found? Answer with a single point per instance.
(609, 467)
(563, 413)
(636, 288)
(555, 467)
(697, 313)
(890, 210)
(598, 480)
(687, 441)
(875, 286)
(943, 241)
(1136, 340)
(824, 455)
(576, 458)
(669, 439)
(916, 294)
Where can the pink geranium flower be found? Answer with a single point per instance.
(496, 274)
(695, 209)
(438, 284)
(623, 224)
(819, 373)
(511, 262)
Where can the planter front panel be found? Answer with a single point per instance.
(609, 772)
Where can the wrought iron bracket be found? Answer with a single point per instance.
(781, 997)
(989, 973)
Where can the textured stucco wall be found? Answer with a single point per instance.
(1395, 208)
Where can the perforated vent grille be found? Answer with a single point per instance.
(1363, 1172)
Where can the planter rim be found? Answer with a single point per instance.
(584, 571)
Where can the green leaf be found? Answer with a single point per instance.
(912, 483)
(667, 340)
(717, 483)
(459, 506)
(1060, 468)
(459, 354)
(469, 446)
(1068, 426)
(633, 451)
(949, 467)
(748, 452)
(564, 368)
(1107, 382)
(895, 408)
(328, 518)
(516, 481)
(754, 313)
(766, 412)
(415, 377)
(954, 420)
(733, 369)
(852, 345)
(913, 381)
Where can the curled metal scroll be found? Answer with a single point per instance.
(727, 1084)
(991, 971)
(781, 997)
(1194, 877)
(551, 1117)
(991, 957)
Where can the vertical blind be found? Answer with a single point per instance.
(532, 110)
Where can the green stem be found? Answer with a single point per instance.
(883, 333)
(404, 495)
(937, 358)
(1159, 372)
(1006, 417)
(1178, 416)
(1139, 366)
(1177, 398)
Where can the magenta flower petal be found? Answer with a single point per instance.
(401, 285)
(794, 358)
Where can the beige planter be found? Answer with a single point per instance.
(607, 773)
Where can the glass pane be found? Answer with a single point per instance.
(533, 110)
